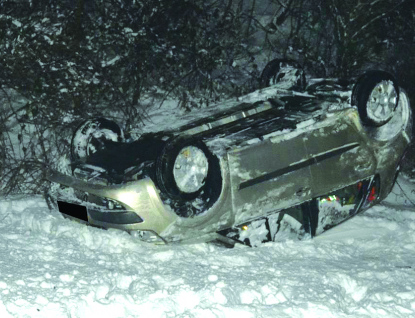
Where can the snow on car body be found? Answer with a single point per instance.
(276, 155)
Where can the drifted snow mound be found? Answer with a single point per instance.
(53, 267)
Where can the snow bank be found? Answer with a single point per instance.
(53, 267)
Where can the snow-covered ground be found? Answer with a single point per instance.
(53, 267)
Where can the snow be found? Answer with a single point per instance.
(54, 267)
(17, 23)
(111, 62)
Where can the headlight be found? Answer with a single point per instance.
(190, 169)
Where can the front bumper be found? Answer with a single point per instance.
(144, 210)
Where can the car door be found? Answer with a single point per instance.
(339, 152)
(268, 175)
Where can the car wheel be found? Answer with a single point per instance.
(189, 177)
(91, 136)
(288, 73)
(376, 95)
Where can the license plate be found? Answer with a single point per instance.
(73, 210)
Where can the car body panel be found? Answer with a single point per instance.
(263, 181)
(344, 154)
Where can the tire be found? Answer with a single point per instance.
(188, 199)
(376, 96)
(92, 135)
(284, 71)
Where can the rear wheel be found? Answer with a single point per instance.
(287, 73)
(376, 95)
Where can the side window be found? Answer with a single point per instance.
(279, 226)
(311, 217)
(339, 205)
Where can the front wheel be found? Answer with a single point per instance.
(376, 95)
(189, 177)
(92, 136)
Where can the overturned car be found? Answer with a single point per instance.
(288, 158)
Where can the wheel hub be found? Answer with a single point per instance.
(190, 169)
(382, 101)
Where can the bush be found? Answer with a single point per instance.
(69, 60)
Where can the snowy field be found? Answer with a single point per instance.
(53, 267)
